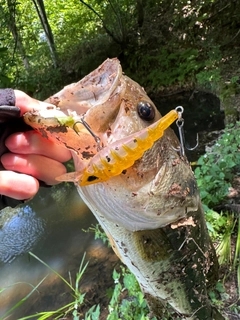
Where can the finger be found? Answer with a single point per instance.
(38, 166)
(26, 103)
(31, 142)
(17, 186)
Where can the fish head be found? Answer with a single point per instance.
(159, 188)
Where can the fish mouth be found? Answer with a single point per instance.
(97, 96)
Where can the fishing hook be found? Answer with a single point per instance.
(86, 125)
(180, 124)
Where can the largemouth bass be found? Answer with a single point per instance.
(151, 210)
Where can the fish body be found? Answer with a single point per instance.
(151, 211)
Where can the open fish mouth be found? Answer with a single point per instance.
(97, 96)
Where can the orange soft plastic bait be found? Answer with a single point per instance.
(121, 155)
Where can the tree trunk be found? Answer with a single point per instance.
(140, 12)
(39, 5)
(13, 29)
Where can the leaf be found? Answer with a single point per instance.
(129, 281)
(93, 314)
(116, 275)
(219, 287)
(210, 227)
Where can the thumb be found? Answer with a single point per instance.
(26, 103)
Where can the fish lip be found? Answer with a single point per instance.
(106, 109)
(110, 69)
(96, 96)
(90, 92)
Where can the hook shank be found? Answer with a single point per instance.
(180, 124)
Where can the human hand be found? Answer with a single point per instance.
(30, 157)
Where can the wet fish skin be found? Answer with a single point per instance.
(171, 265)
(151, 213)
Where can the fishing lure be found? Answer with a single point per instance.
(121, 155)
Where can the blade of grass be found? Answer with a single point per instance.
(54, 271)
(80, 273)
(238, 279)
(79, 297)
(237, 249)
(47, 314)
(59, 312)
(14, 284)
(237, 257)
(23, 299)
(224, 249)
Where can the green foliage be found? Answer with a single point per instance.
(210, 76)
(130, 307)
(214, 175)
(98, 233)
(216, 169)
(5, 81)
(224, 249)
(159, 45)
(230, 88)
(176, 66)
(167, 68)
(237, 252)
(221, 227)
(214, 294)
(217, 223)
(92, 314)
(40, 82)
(220, 297)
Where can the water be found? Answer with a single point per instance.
(202, 114)
(50, 226)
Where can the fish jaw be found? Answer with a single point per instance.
(97, 95)
(50, 126)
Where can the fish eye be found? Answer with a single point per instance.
(145, 110)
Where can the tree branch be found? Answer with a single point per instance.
(103, 24)
(39, 5)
